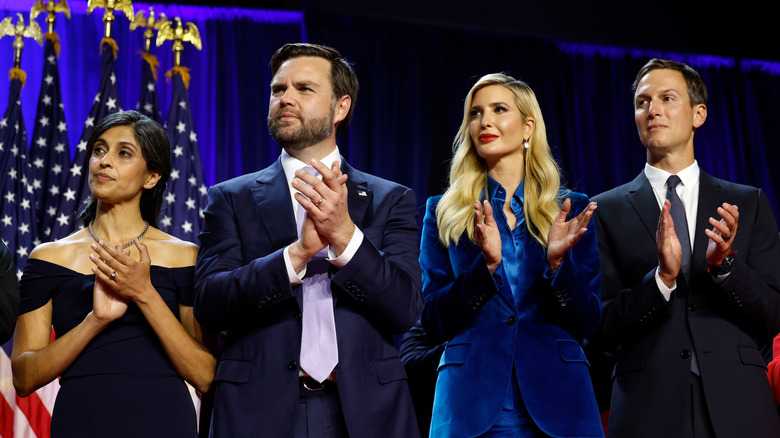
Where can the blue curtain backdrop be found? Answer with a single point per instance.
(413, 81)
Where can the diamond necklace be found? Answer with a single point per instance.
(97, 239)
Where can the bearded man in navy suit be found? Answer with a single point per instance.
(691, 295)
(356, 241)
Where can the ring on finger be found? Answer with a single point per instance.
(113, 274)
(320, 201)
(731, 234)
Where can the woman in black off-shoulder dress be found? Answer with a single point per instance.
(118, 294)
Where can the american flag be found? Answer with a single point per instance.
(106, 102)
(49, 151)
(185, 196)
(148, 102)
(29, 416)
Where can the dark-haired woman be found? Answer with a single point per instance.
(126, 340)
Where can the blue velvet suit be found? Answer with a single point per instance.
(492, 332)
(242, 286)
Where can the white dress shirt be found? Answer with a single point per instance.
(688, 191)
(290, 165)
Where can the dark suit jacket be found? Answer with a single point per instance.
(9, 294)
(242, 287)
(493, 333)
(725, 324)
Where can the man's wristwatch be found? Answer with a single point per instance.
(724, 267)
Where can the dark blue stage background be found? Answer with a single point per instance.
(413, 80)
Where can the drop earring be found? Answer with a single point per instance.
(525, 144)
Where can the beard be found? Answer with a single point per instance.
(310, 131)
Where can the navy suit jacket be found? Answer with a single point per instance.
(491, 333)
(242, 287)
(726, 324)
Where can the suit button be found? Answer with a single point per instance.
(299, 317)
(511, 320)
(293, 365)
(692, 307)
(685, 354)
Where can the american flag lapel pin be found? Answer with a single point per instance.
(362, 193)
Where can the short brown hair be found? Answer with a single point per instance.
(697, 91)
(342, 76)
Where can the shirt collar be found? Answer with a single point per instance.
(657, 177)
(291, 164)
(493, 189)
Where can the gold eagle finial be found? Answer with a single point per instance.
(151, 24)
(125, 6)
(52, 7)
(179, 35)
(19, 31)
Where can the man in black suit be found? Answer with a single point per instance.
(689, 299)
(9, 294)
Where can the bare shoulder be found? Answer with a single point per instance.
(170, 251)
(66, 252)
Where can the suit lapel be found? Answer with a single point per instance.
(642, 199)
(360, 195)
(711, 195)
(274, 206)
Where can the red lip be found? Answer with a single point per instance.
(103, 177)
(487, 138)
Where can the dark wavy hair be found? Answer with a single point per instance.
(156, 150)
(342, 76)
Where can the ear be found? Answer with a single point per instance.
(152, 179)
(699, 115)
(530, 126)
(342, 109)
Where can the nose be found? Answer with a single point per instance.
(287, 98)
(105, 161)
(653, 109)
(486, 121)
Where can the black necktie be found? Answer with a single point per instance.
(680, 223)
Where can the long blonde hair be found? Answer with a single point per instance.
(468, 172)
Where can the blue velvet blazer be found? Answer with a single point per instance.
(491, 332)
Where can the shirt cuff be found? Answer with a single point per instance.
(665, 291)
(349, 252)
(295, 277)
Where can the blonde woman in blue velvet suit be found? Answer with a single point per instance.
(510, 278)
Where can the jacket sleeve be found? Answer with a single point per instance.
(228, 291)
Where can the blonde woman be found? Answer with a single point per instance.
(510, 278)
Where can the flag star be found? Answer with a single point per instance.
(10, 197)
(4, 123)
(46, 100)
(203, 190)
(44, 121)
(181, 127)
(150, 86)
(22, 251)
(190, 204)
(170, 198)
(111, 103)
(192, 180)
(178, 151)
(60, 148)
(187, 227)
(25, 204)
(12, 173)
(51, 211)
(38, 163)
(70, 195)
(19, 272)
(15, 150)
(75, 170)
(57, 169)
(36, 184)
(62, 127)
(183, 104)
(200, 214)
(90, 122)
(82, 146)
(63, 219)
(7, 221)
(165, 221)
(41, 142)
(97, 98)
(193, 136)
(52, 60)
(148, 108)
(174, 174)
(113, 78)
(23, 228)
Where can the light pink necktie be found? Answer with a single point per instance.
(319, 350)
